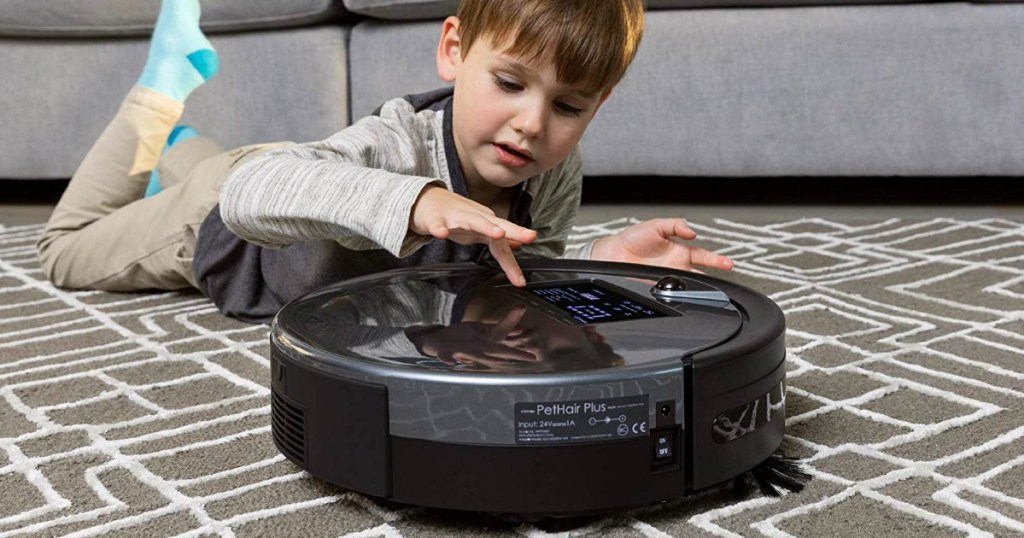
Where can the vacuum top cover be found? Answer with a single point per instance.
(467, 319)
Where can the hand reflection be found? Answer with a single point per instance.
(481, 344)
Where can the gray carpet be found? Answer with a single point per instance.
(148, 414)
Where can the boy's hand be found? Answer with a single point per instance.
(656, 242)
(447, 215)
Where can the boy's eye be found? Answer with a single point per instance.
(511, 87)
(507, 85)
(568, 109)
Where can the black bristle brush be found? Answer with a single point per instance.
(773, 475)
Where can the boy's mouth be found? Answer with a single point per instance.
(512, 156)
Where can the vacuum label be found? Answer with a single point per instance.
(581, 421)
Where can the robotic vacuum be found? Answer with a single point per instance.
(597, 387)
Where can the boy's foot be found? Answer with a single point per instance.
(178, 134)
(180, 56)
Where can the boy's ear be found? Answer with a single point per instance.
(449, 50)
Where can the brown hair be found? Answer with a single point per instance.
(592, 42)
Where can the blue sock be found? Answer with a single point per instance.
(180, 56)
(178, 134)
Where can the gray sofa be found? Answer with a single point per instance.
(929, 89)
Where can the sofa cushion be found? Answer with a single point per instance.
(136, 17)
(434, 9)
(403, 9)
(279, 85)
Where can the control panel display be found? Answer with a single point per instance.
(589, 302)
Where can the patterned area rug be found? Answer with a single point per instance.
(148, 414)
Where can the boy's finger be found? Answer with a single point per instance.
(493, 227)
(507, 353)
(482, 225)
(681, 229)
(503, 255)
(511, 319)
(514, 232)
(671, 228)
(447, 360)
(519, 234)
(699, 256)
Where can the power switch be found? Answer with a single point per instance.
(663, 445)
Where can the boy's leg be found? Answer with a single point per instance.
(112, 175)
(116, 168)
(146, 244)
(179, 160)
(103, 234)
(99, 235)
(178, 134)
(149, 243)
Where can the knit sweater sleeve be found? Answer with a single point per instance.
(360, 183)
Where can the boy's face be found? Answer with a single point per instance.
(511, 120)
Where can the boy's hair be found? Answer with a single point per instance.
(592, 42)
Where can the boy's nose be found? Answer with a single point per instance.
(529, 121)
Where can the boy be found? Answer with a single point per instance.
(429, 178)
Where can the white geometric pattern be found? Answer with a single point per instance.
(148, 414)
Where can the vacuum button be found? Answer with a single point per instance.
(670, 283)
(663, 445)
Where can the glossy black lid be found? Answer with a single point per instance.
(572, 317)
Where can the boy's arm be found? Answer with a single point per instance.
(360, 183)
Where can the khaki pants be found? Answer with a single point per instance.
(104, 235)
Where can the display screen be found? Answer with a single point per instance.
(593, 302)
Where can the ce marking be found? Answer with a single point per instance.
(639, 427)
